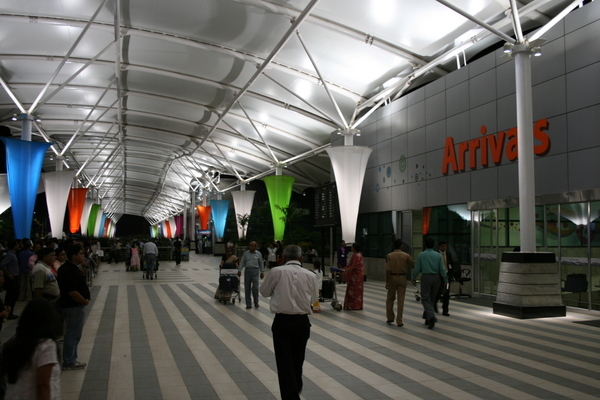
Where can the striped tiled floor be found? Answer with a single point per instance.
(169, 339)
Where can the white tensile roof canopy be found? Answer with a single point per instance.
(145, 98)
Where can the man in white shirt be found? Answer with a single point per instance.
(292, 290)
(150, 256)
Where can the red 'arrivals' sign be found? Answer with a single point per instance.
(491, 147)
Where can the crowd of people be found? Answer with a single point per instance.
(50, 277)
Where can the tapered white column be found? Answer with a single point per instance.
(349, 164)
(522, 55)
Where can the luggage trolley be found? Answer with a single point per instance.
(149, 274)
(329, 292)
(229, 284)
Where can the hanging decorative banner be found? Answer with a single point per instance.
(220, 208)
(57, 185)
(4, 194)
(279, 188)
(179, 225)
(85, 216)
(167, 226)
(242, 203)
(23, 166)
(204, 216)
(91, 225)
(349, 164)
(99, 228)
(76, 202)
(106, 225)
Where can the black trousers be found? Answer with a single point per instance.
(290, 335)
(177, 254)
(444, 295)
(12, 292)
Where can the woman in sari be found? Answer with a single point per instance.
(356, 276)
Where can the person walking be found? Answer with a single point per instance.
(177, 251)
(252, 263)
(150, 253)
(444, 292)
(397, 265)
(430, 265)
(353, 299)
(292, 290)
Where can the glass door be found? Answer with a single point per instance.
(485, 251)
(574, 259)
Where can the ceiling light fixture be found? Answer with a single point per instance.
(537, 51)
(507, 48)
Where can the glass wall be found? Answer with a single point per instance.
(568, 230)
(375, 233)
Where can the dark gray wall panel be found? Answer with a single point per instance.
(416, 116)
(505, 79)
(384, 129)
(437, 192)
(484, 184)
(508, 180)
(484, 64)
(484, 115)
(582, 47)
(435, 108)
(549, 98)
(583, 169)
(551, 64)
(434, 163)
(416, 142)
(435, 136)
(415, 97)
(584, 128)
(576, 20)
(457, 77)
(418, 196)
(551, 174)
(399, 122)
(458, 127)
(458, 188)
(507, 112)
(482, 88)
(435, 87)
(457, 98)
(583, 87)
(557, 131)
(400, 197)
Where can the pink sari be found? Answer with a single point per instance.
(356, 278)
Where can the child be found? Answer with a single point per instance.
(317, 265)
(30, 362)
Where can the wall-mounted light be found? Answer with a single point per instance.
(537, 51)
(507, 48)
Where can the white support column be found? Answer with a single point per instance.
(525, 147)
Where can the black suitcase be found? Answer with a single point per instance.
(327, 289)
(228, 283)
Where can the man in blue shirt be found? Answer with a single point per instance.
(431, 266)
